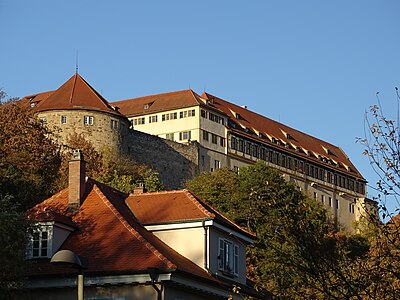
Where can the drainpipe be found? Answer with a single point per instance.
(205, 245)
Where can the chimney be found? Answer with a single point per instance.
(76, 181)
(139, 189)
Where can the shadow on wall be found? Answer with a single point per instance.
(175, 162)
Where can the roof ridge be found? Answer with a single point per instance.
(196, 202)
(73, 88)
(158, 193)
(148, 96)
(133, 231)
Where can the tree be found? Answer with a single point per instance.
(297, 255)
(109, 167)
(381, 143)
(29, 159)
(382, 147)
(14, 230)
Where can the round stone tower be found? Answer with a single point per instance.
(76, 107)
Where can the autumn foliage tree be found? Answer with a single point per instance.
(107, 166)
(29, 159)
(297, 255)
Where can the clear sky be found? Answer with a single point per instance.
(312, 65)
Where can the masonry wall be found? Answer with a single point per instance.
(175, 162)
(100, 133)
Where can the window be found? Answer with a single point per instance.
(222, 142)
(43, 120)
(203, 114)
(236, 169)
(169, 116)
(138, 121)
(205, 135)
(337, 203)
(241, 145)
(228, 257)
(169, 136)
(263, 153)
(187, 113)
(39, 245)
(330, 201)
(213, 138)
(184, 135)
(211, 116)
(351, 208)
(233, 143)
(114, 124)
(248, 146)
(255, 151)
(217, 164)
(63, 119)
(315, 195)
(88, 120)
(323, 199)
(153, 119)
(203, 159)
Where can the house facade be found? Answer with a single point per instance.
(131, 251)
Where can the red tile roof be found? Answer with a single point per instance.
(75, 93)
(256, 124)
(109, 237)
(156, 103)
(175, 207)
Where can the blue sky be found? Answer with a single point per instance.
(312, 65)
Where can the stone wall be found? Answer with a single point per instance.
(100, 133)
(175, 162)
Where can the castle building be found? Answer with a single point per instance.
(182, 133)
(233, 136)
(76, 107)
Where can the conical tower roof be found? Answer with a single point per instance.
(76, 93)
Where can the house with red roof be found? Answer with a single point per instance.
(166, 245)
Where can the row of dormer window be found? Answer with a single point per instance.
(295, 164)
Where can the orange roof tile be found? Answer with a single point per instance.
(175, 207)
(156, 103)
(257, 124)
(109, 237)
(75, 93)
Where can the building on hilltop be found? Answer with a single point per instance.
(76, 107)
(138, 246)
(182, 133)
(233, 136)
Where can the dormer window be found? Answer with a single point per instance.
(146, 106)
(237, 116)
(40, 242)
(47, 237)
(228, 258)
